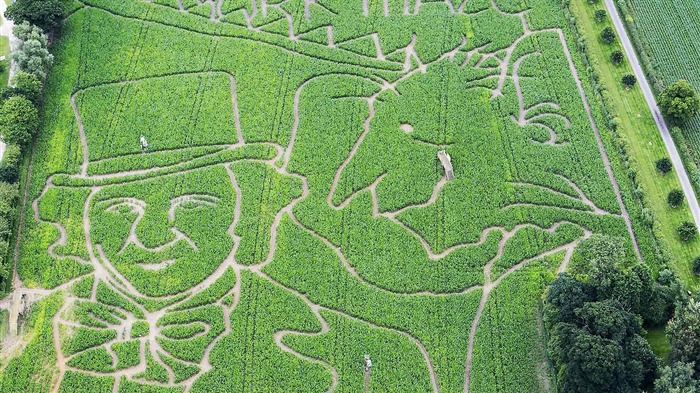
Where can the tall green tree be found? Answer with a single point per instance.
(19, 120)
(46, 14)
(32, 54)
(684, 334)
(677, 378)
(679, 102)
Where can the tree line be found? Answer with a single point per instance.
(596, 314)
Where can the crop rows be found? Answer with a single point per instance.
(289, 215)
(668, 33)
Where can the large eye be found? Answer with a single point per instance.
(191, 202)
(124, 206)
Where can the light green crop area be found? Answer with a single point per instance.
(246, 196)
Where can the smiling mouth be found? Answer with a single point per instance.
(156, 266)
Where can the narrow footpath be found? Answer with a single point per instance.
(651, 101)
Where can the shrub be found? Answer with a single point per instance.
(608, 35)
(629, 80)
(679, 101)
(9, 174)
(675, 198)
(19, 119)
(687, 231)
(616, 57)
(664, 165)
(27, 85)
(696, 266)
(600, 15)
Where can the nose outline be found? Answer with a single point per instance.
(133, 237)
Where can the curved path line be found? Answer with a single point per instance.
(601, 146)
(109, 275)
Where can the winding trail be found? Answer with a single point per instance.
(105, 272)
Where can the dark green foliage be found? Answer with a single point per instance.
(27, 85)
(675, 198)
(567, 295)
(679, 101)
(664, 165)
(677, 378)
(19, 119)
(687, 231)
(608, 35)
(600, 15)
(684, 334)
(9, 174)
(696, 266)
(629, 80)
(595, 326)
(617, 57)
(43, 13)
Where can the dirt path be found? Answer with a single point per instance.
(683, 177)
(601, 146)
(105, 272)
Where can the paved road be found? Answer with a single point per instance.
(651, 101)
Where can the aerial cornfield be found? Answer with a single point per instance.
(668, 34)
(289, 217)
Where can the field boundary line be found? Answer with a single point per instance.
(658, 118)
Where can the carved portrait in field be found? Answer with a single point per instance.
(290, 214)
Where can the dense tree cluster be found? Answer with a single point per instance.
(19, 102)
(679, 101)
(595, 320)
(682, 375)
(43, 13)
(32, 54)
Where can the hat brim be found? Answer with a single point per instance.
(266, 152)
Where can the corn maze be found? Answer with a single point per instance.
(290, 215)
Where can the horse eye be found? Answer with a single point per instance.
(194, 202)
(189, 205)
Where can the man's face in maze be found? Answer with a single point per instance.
(165, 234)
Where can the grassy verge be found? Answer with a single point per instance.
(659, 343)
(644, 144)
(5, 64)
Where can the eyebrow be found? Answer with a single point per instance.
(204, 199)
(116, 201)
